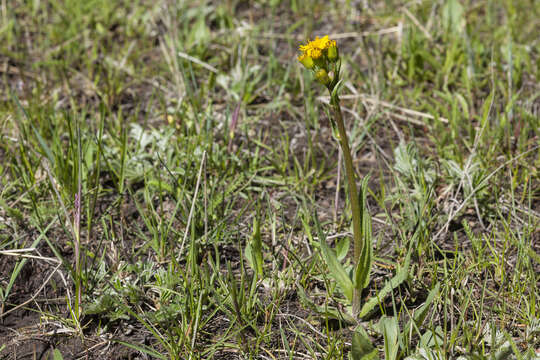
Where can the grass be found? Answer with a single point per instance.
(208, 174)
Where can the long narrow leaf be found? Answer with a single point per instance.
(393, 283)
(390, 329)
(363, 268)
(421, 313)
(337, 271)
(253, 251)
(141, 348)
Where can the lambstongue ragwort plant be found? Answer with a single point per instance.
(321, 56)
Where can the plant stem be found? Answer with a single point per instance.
(353, 194)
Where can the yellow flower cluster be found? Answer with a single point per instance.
(314, 49)
(319, 55)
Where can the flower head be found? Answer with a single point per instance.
(316, 48)
(321, 56)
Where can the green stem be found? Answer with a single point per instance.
(353, 194)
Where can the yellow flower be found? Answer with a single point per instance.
(316, 48)
(311, 50)
(305, 48)
(315, 53)
(321, 43)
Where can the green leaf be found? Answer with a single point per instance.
(363, 268)
(337, 270)
(342, 248)
(362, 349)
(253, 250)
(463, 104)
(328, 311)
(160, 185)
(452, 17)
(534, 255)
(390, 329)
(335, 91)
(57, 355)
(141, 348)
(432, 339)
(200, 33)
(421, 313)
(393, 283)
(486, 109)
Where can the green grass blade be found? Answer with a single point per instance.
(142, 348)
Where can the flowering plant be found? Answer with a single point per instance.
(321, 56)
